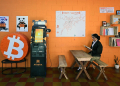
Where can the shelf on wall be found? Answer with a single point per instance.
(109, 31)
(114, 41)
(115, 19)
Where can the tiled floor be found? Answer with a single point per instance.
(52, 76)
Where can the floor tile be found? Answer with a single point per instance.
(25, 75)
(17, 75)
(29, 84)
(20, 84)
(73, 80)
(48, 84)
(9, 76)
(22, 80)
(52, 78)
(56, 80)
(5, 79)
(118, 83)
(1, 79)
(115, 79)
(14, 79)
(103, 84)
(40, 80)
(100, 80)
(64, 80)
(75, 84)
(48, 80)
(50, 69)
(49, 75)
(71, 75)
(31, 80)
(66, 84)
(84, 84)
(112, 84)
(38, 84)
(1, 75)
(11, 83)
(93, 83)
(56, 75)
(57, 84)
(56, 72)
(82, 80)
(3, 83)
(49, 72)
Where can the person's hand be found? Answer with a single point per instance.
(90, 49)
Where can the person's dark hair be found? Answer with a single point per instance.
(96, 36)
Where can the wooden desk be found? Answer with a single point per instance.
(79, 56)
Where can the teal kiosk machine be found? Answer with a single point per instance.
(38, 48)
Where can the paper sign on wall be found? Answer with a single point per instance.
(110, 9)
(22, 23)
(103, 10)
(106, 9)
(4, 23)
(70, 23)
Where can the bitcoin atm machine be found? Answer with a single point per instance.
(38, 48)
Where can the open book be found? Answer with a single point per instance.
(87, 47)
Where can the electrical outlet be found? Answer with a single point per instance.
(47, 35)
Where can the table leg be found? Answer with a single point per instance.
(83, 68)
(79, 74)
(73, 64)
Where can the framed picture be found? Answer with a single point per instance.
(104, 23)
(117, 12)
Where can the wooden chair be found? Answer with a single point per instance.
(101, 66)
(62, 66)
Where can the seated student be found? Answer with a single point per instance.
(96, 49)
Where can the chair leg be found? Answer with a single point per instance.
(61, 73)
(65, 73)
(102, 71)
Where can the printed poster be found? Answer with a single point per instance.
(4, 23)
(70, 23)
(106, 9)
(22, 23)
(103, 10)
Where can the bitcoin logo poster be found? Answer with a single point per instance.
(14, 46)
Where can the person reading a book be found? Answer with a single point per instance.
(95, 49)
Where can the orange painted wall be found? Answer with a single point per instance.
(46, 10)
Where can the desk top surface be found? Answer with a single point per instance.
(81, 55)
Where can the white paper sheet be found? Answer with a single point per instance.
(110, 31)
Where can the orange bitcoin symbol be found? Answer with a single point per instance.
(14, 46)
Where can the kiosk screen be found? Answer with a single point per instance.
(38, 35)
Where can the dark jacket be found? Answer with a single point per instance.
(96, 49)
